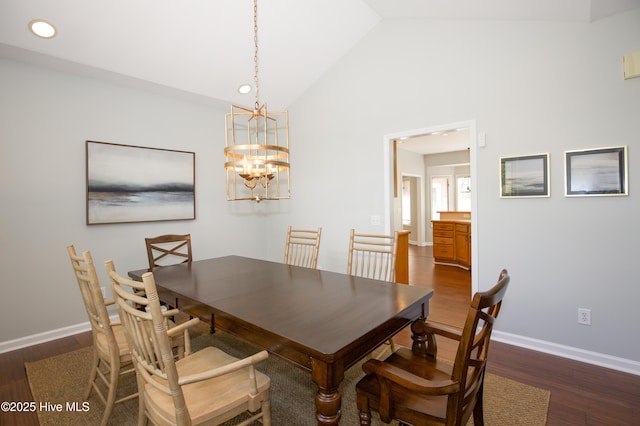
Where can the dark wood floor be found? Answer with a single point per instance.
(581, 394)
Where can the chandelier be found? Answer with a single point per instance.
(257, 146)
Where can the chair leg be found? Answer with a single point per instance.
(114, 376)
(478, 410)
(266, 412)
(365, 418)
(92, 374)
(142, 411)
(365, 410)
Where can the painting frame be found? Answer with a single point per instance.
(596, 172)
(525, 176)
(131, 184)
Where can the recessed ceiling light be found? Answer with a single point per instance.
(42, 28)
(244, 89)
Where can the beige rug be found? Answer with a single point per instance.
(62, 380)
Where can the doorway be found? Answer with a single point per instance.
(412, 207)
(392, 198)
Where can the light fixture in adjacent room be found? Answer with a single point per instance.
(42, 28)
(257, 146)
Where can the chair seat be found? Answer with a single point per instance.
(121, 339)
(435, 406)
(209, 399)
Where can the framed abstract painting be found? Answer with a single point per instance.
(127, 183)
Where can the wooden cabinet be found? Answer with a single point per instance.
(463, 244)
(443, 241)
(452, 243)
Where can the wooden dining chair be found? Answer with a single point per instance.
(208, 386)
(421, 389)
(373, 256)
(172, 249)
(302, 247)
(168, 249)
(111, 357)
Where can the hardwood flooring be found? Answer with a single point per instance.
(581, 394)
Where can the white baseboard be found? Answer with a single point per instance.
(602, 360)
(576, 354)
(44, 337)
(47, 336)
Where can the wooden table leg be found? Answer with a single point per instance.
(328, 400)
(422, 344)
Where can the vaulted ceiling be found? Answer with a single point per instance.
(204, 48)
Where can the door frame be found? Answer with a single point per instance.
(388, 173)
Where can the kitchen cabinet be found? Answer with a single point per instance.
(452, 242)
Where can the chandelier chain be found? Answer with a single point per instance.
(255, 55)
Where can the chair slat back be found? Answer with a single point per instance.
(471, 357)
(91, 292)
(373, 256)
(302, 247)
(146, 331)
(168, 249)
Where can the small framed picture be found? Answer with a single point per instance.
(524, 176)
(596, 172)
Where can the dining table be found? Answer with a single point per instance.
(320, 321)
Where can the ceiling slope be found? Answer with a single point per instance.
(204, 49)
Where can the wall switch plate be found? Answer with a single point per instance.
(631, 65)
(482, 139)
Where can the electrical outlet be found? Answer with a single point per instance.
(584, 316)
(104, 289)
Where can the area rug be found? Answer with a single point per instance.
(62, 380)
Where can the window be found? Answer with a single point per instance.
(463, 193)
(439, 195)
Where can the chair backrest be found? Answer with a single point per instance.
(373, 256)
(471, 357)
(146, 331)
(168, 249)
(302, 247)
(92, 297)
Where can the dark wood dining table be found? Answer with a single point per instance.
(320, 321)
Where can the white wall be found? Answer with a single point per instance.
(532, 87)
(45, 118)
